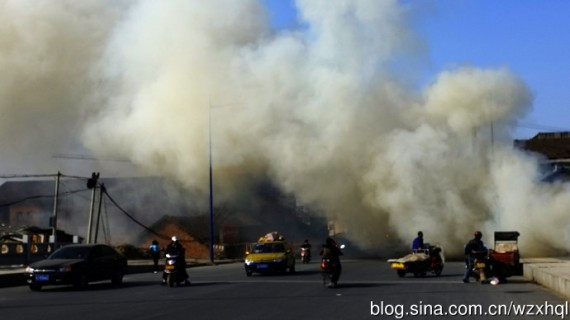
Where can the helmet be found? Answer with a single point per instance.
(174, 238)
(478, 234)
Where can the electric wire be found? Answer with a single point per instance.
(67, 193)
(133, 218)
(12, 176)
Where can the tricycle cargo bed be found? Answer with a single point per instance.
(411, 258)
(508, 258)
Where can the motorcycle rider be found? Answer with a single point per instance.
(307, 246)
(418, 242)
(474, 245)
(176, 248)
(330, 250)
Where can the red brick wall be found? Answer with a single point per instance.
(194, 249)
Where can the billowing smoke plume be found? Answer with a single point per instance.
(49, 56)
(327, 112)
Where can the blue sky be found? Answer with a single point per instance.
(530, 37)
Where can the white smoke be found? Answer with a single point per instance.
(324, 111)
(48, 51)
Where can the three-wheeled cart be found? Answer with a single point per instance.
(505, 257)
(420, 262)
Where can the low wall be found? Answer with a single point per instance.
(23, 254)
(551, 273)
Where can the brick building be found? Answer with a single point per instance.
(193, 233)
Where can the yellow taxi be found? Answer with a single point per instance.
(269, 255)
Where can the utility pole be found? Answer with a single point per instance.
(53, 219)
(91, 184)
(101, 191)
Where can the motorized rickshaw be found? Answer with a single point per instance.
(505, 257)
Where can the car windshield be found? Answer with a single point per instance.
(268, 248)
(71, 253)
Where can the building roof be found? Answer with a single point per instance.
(552, 145)
(13, 192)
(196, 226)
(16, 233)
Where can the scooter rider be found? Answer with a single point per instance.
(176, 248)
(307, 246)
(330, 250)
(474, 245)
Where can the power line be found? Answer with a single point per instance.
(74, 177)
(19, 176)
(132, 218)
(86, 157)
(67, 188)
(41, 196)
(12, 176)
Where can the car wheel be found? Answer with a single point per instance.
(292, 269)
(401, 273)
(248, 273)
(81, 282)
(35, 287)
(117, 278)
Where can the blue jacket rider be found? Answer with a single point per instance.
(418, 242)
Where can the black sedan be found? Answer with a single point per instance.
(78, 265)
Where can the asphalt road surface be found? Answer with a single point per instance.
(224, 292)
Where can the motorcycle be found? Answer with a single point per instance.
(330, 267)
(481, 267)
(420, 262)
(174, 272)
(305, 255)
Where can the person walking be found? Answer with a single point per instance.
(155, 254)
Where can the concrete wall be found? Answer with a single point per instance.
(553, 273)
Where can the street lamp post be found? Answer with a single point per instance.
(211, 178)
(211, 185)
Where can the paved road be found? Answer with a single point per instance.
(224, 292)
